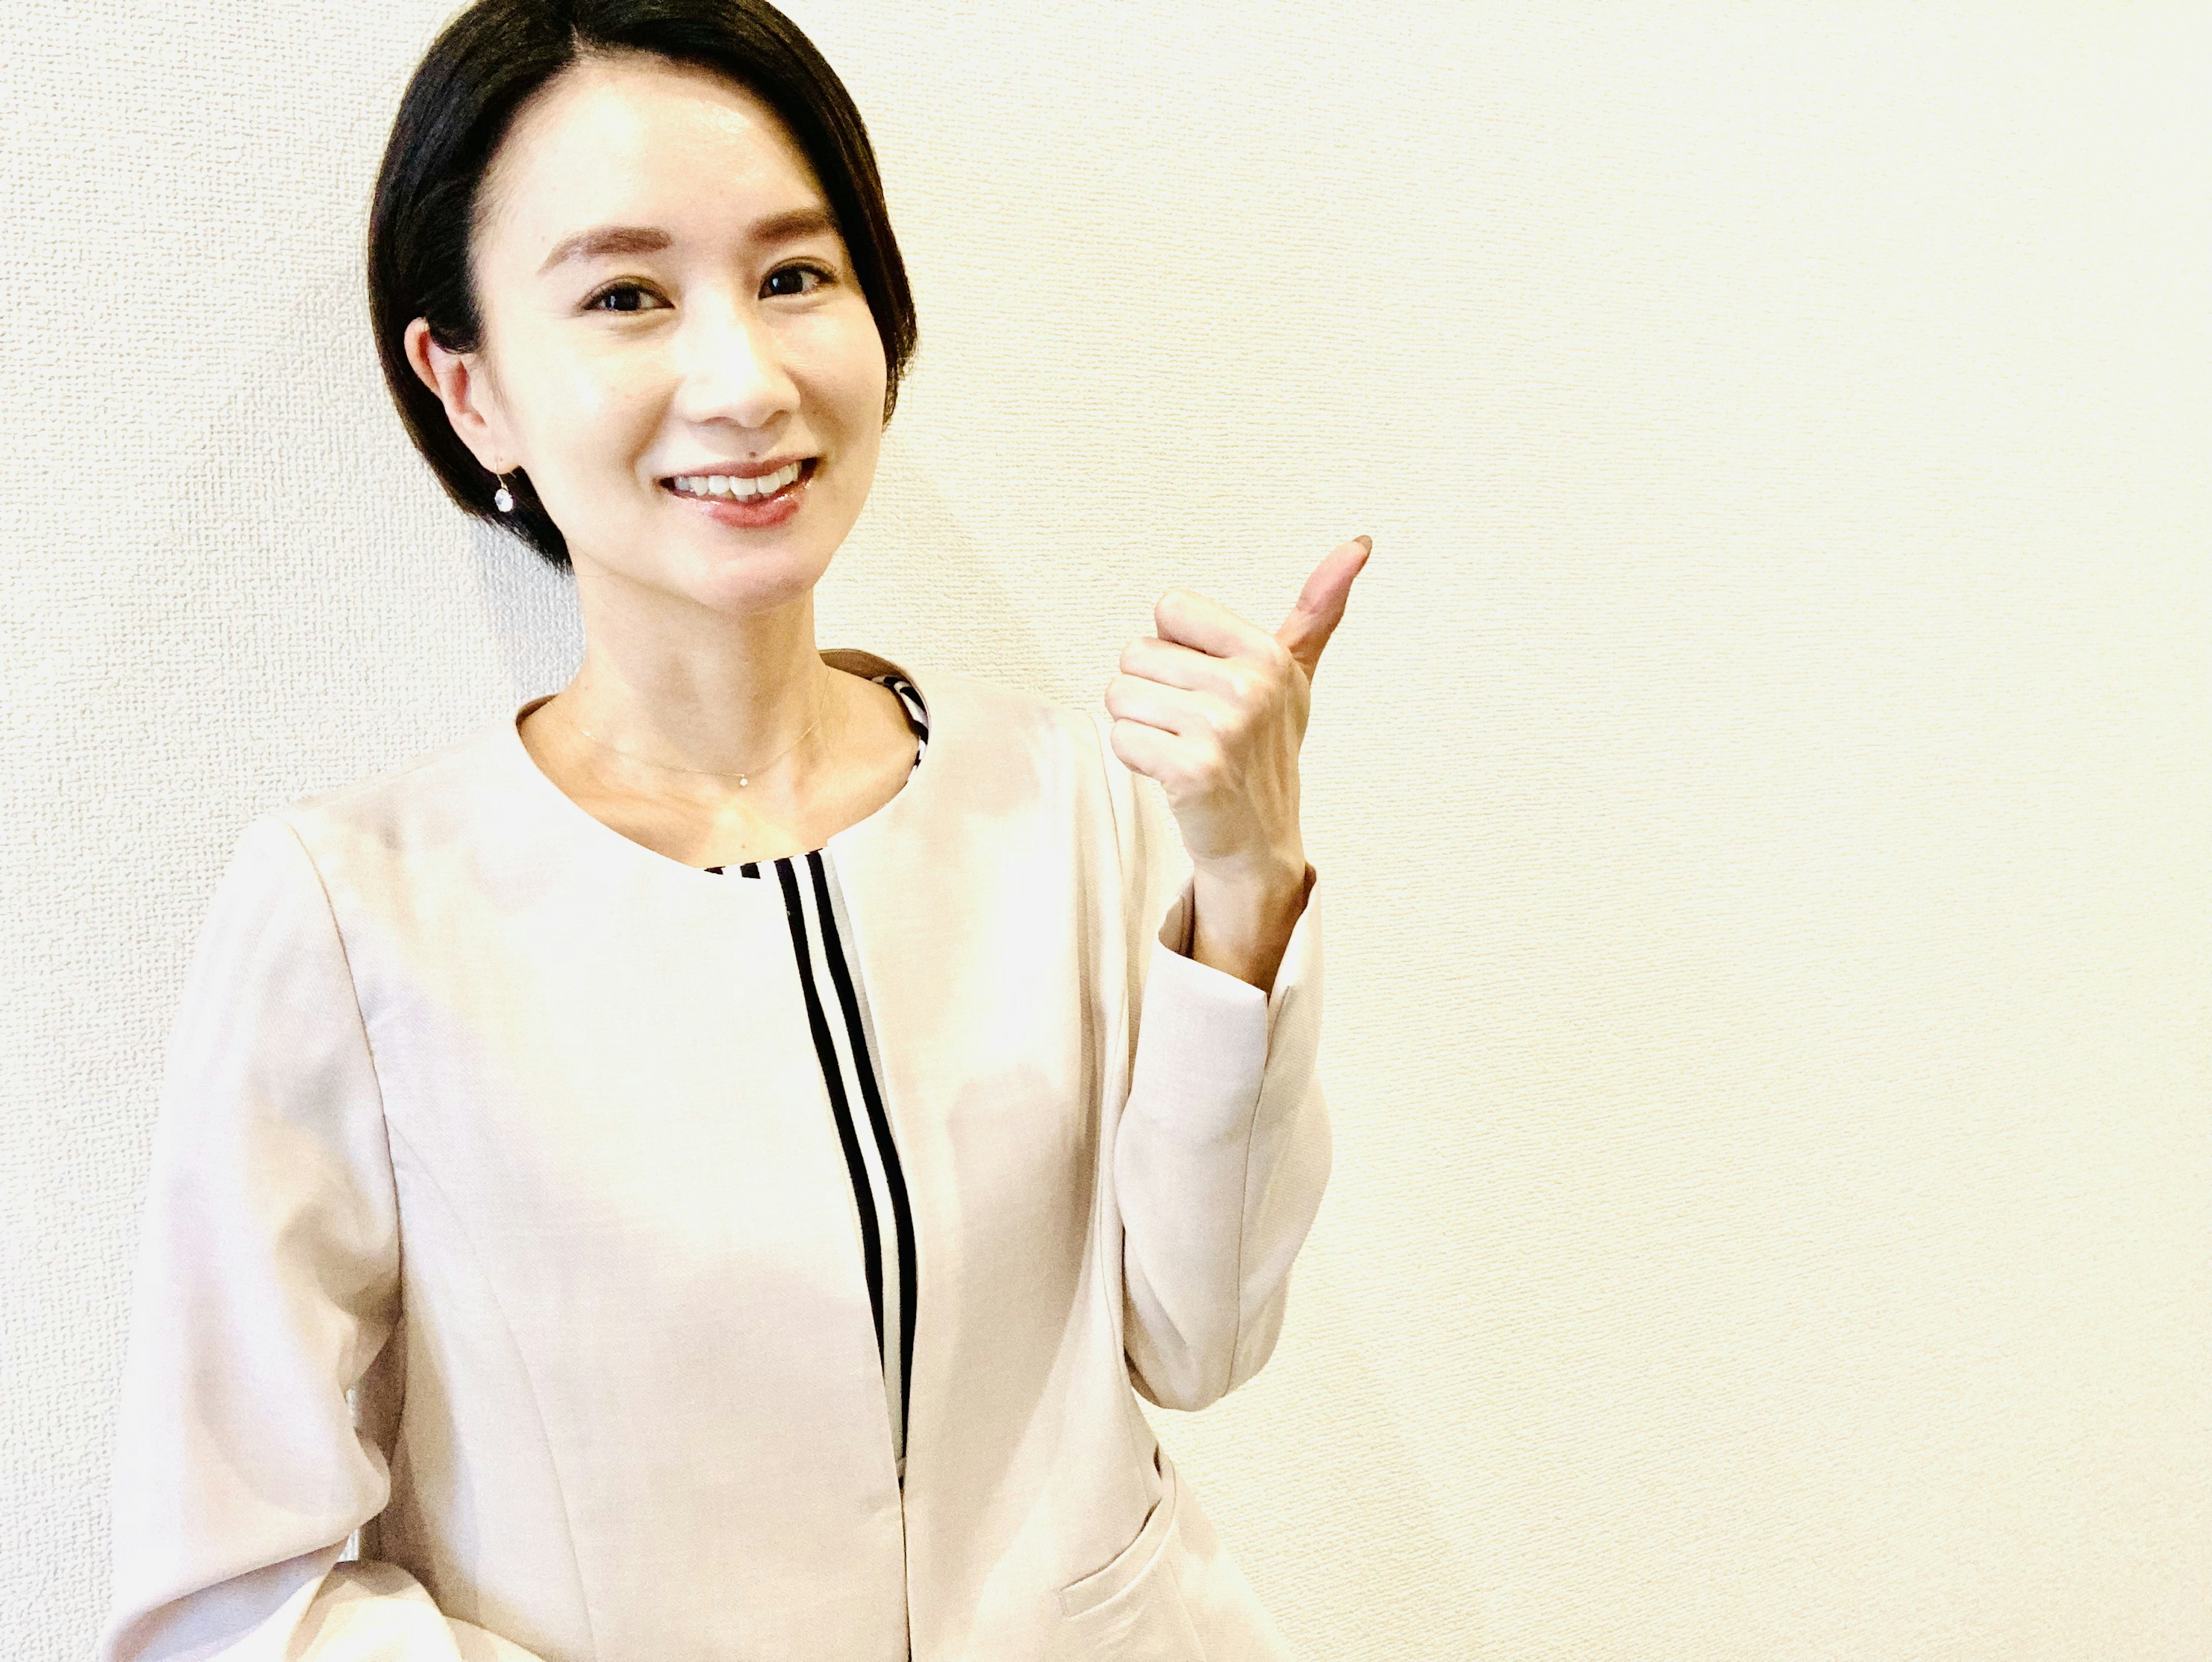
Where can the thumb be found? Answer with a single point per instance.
(1320, 607)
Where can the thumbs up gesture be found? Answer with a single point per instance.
(1215, 709)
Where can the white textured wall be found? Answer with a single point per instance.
(1762, 779)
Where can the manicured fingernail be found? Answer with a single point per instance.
(1363, 538)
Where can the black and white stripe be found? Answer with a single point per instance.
(844, 1045)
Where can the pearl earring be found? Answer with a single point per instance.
(503, 496)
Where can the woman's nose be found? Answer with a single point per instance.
(732, 368)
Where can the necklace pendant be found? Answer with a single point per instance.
(742, 780)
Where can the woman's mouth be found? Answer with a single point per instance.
(715, 496)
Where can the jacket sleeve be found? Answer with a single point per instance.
(1223, 1149)
(267, 1281)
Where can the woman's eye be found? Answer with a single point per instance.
(592, 304)
(796, 270)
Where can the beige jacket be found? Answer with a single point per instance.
(495, 1213)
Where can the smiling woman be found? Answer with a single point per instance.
(705, 1165)
(658, 310)
(434, 195)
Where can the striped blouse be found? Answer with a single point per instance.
(833, 1010)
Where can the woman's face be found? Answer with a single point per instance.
(645, 318)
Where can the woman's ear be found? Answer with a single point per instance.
(464, 386)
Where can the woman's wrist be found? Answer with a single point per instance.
(1244, 920)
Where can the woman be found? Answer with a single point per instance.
(700, 1168)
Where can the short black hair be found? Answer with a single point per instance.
(480, 68)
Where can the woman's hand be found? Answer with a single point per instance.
(1215, 709)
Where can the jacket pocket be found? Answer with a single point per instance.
(1140, 1561)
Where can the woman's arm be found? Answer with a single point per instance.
(1223, 1149)
(267, 1282)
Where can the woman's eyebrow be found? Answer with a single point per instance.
(609, 241)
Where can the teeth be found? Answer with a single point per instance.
(726, 484)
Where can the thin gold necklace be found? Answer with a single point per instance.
(672, 768)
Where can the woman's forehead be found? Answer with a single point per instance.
(637, 136)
